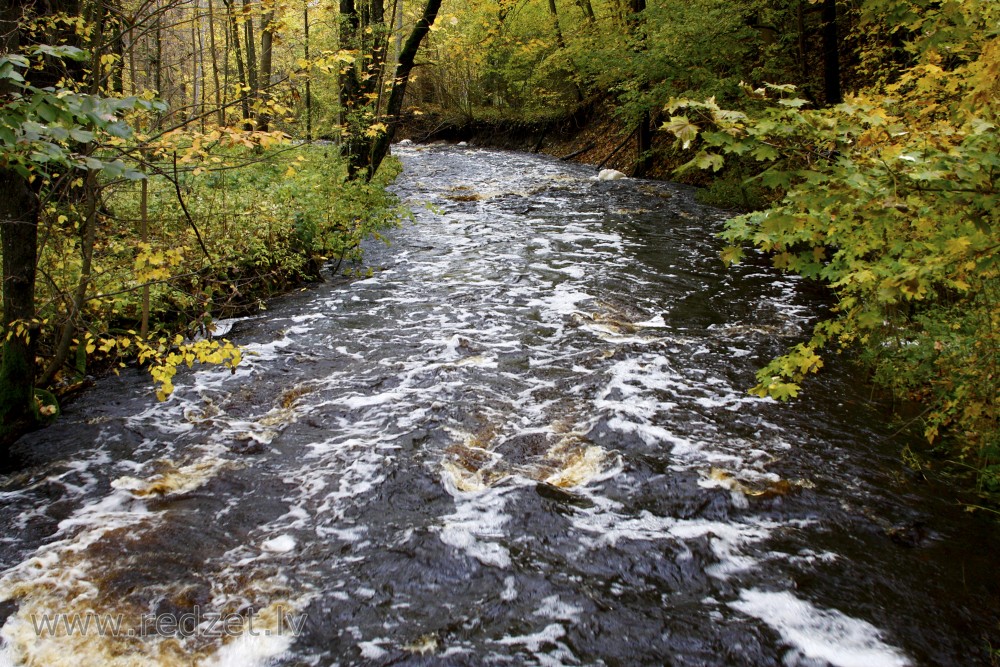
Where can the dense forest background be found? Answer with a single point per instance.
(162, 165)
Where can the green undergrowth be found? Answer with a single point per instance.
(734, 190)
(267, 220)
(221, 228)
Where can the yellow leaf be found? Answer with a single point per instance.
(958, 245)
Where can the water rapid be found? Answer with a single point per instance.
(524, 440)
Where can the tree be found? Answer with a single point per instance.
(831, 53)
(404, 67)
(267, 29)
(241, 68)
(891, 199)
(370, 128)
(18, 237)
(45, 127)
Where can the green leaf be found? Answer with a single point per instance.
(776, 178)
(706, 160)
(82, 136)
(119, 129)
(114, 169)
(61, 51)
(58, 133)
(794, 103)
(683, 129)
(47, 113)
(8, 72)
(765, 152)
(732, 255)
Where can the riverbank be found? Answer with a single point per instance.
(594, 134)
(536, 409)
(590, 134)
(214, 239)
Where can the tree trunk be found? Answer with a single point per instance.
(348, 36)
(396, 97)
(398, 14)
(800, 24)
(131, 56)
(197, 74)
(144, 237)
(251, 51)
(19, 238)
(266, 59)
(158, 71)
(19, 245)
(644, 143)
(554, 13)
(561, 43)
(305, 23)
(380, 48)
(831, 53)
(241, 73)
(88, 236)
(644, 132)
(118, 74)
(220, 111)
(357, 150)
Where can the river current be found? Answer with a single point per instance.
(524, 440)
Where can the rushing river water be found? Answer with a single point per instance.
(526, 440)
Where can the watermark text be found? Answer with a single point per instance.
(195, 623)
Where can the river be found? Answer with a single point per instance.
(524, 440)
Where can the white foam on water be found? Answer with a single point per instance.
(556, 653)
(653, 323)
(477, 522)
(819, 634)
(605, 524)
(810, 557)
(306, 317)
(172, 479)
(281, 544)
(259, 650)
(372, 650)
(548, 635)
(563, 300)
(495, 271)
(59, 578)
(509, 593)
(554, 608)
(77, 477)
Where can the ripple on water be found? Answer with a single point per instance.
(526, 440)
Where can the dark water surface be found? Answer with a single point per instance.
(525, 440)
